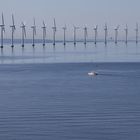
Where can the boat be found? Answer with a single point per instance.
(92, 73)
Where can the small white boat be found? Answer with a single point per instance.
(92, 73)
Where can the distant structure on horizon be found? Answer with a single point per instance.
(96, 33)
(64, 28)
(137, 32)
(44, 33)
(126, 34)
(13, 27)
(23, 27)
(106, 33)
(2, 30)
(75, 29)
(54, 28)
(54, 32)
(116, 34)
(85, 35)
(34, 33)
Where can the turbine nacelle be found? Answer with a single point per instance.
(44, 28)
(13, 24)
(117, 28)
(2, 25)
(85, 31)
(96, 27)
(44, 25)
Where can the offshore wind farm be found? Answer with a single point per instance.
(64, 40)
(69, 70)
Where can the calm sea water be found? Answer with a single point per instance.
(69, 53)
(59, 101)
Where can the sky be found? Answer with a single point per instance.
(72, 12)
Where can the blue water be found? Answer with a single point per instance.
(70, 54)
(48, 99)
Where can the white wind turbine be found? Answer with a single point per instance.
(116, 34)
(96, 32)
(85, 35)
(137, 32)
(75, 29)
(64, 29)
(13, 27)
(34, 33)
(106, 33)
(44, 33)
(126, 34)
(23, 27)
(54, 32)
(2, 30)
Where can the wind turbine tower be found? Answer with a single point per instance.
(44, 33)
(75, 29)
(64, 28)
(85, 35)
(23, 27)
(116, 34)
(106, 33)
(2, 30)
(126, 34)
(137, 32)
(54, 32)
(34, 33)
(13, 27)
(96, 32)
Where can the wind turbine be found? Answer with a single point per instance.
(137, 32)
(85, 35)
(23, 27)
(13, 27)
(44, 33)
(106, 33)
(75, 29)
(96, 32)
(64, 28)
(116, 34)
(54, 32)
(34, 33)
(2, 30)
(126, 34)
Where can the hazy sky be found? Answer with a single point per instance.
(78, 12)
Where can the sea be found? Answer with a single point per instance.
(47, 94)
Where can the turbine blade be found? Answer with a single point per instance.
(2, 19)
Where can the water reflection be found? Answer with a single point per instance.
(2, 56)
(80, 52)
